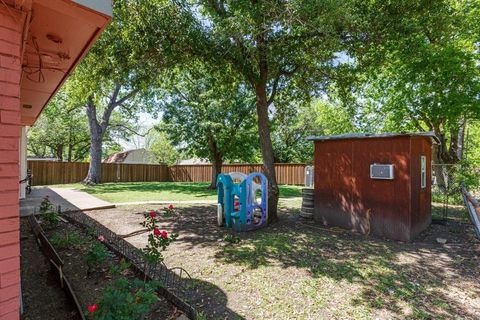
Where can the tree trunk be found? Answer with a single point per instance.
(94, 174)
(446, 156)
(439, 169)
(70, 152)
(267, 151)
(217, 161)
(59, 153)
(461, 138)
(98, 129)
(216, 170)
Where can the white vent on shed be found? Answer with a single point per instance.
(381, 171)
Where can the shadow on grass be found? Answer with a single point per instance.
(408, 279)
(210, 301)
(415, 288)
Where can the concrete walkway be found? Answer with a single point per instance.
(65, 198)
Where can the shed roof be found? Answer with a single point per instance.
(373, 135)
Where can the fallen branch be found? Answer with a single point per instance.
(134, 233)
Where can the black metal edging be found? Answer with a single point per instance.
(55, 261)
(171, 281)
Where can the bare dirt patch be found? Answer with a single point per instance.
(298, 270)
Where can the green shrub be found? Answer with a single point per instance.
(96, 255)
(49, 216)
(118, 269)
(126, 300)
(66, 240)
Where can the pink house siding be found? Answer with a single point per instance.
(11, 28)
(20, 22)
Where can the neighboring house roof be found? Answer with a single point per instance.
(192, 161)
(120, 157)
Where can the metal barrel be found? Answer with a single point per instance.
(307, 204)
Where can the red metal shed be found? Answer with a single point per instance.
(374, 184)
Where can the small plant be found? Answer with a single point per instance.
(66, 240)
(158, 240)
(46, 205)
(169, 211)
(91, 232)
(96, 255)
(201, 316)
(125, 300)
(166, 212)
(49, 216)
(120, 268)
(231, 238)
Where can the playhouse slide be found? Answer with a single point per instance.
(242, 202)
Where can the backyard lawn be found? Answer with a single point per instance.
(161, 191)
(295, 269)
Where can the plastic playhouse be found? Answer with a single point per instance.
(242, 202)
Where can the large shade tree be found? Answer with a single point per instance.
(424, 76)
(270, 44)
(114, 79)
(208, 114)
(296, 120)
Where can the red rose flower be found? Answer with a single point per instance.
(156, 232)
(153, 214)
(170, 207)
(164, 234)
(92, 308)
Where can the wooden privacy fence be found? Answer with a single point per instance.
(286, 173)
(52, 172)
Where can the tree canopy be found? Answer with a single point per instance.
(209, 115)
(418, 71)
(296, 68)
(270, 44)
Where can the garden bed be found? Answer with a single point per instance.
(41, 291)
(91, 268)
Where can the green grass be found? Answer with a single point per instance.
(161, 191)
(454, 198)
